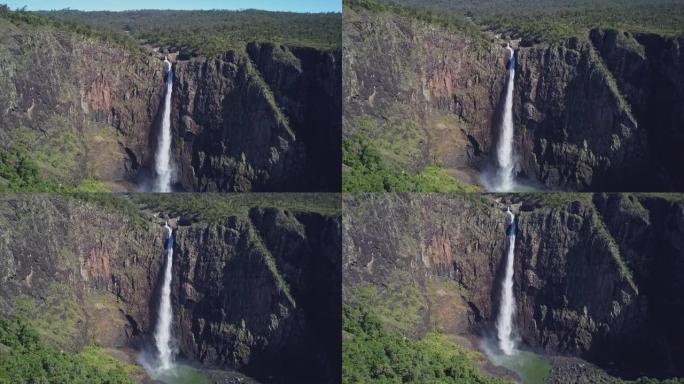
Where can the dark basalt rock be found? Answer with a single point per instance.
(259, 294)
(597, 277)
(238, 123)
(597, 114)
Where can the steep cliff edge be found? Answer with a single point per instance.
(86, 108)
(596, 276)
(248, 291)
(592, 113)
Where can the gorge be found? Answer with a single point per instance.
(254, 284)
(599, 111)
(595, 276)
(260, 116)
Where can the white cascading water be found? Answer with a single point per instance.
(163, 159)
(504, 323)
(162, 334)
(504, 149)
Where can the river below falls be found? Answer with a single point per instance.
(530, 367)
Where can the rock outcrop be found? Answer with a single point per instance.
(593, 113)
(596, 276)
(258, 293)
(265, 120)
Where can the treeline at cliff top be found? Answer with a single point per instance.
(197, 32)
(552, 21)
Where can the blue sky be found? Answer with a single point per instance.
(120, 5)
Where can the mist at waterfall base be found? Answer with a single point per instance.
(503, 348)
(159, 361)
(164, 170)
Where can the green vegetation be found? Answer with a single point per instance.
(91, 186)
(57, 318)
(192, 32)
(553, 21)
(215, 31)
(532, 368)
(25, 358)
(103, 33)
(19, 172)
(364, 170)
(115, 203)
(552, 199)
(217, 206)
(449, 21)
(370, 354)
(258, 245)
(613, 247)
(601, 68)
(400, 307)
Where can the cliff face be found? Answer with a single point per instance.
(247, 293)
(83, 108)
(648, 70)
(430, 92)
(591, 114)
(595, 276)
(236, 125)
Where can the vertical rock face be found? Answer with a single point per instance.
(595, 276)
(234, 136)
(267, 120)
(575, 130)
(83, 107)
(648, 69)
(594, 113)
(306, 86)
(258, 293)
(262, 296)
(399, 70)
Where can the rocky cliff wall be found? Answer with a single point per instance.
(594, 113)
(247, 293)
(86, 108)
(595, 276)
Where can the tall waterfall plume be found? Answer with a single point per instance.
(162, 334)
(504, 322)
(162, 162)
(504, 150)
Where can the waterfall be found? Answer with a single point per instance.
(162, 334)
(504, 149)
(163, 158)
(504, 323)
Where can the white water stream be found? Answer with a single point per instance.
(504, 150)
(162, 334)
(162, 162)
(504, 322)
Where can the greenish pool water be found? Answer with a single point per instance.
(182, 374)
(532, 368)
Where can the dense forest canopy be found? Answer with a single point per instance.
(196, 32)
(216, 30)
(553, 20)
